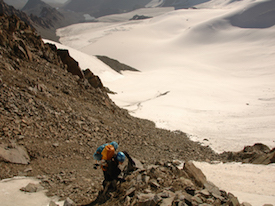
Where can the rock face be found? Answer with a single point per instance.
(18, 39)
(93, 79)
(256, 154)
(72, 65)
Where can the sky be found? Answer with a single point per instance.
(208, 72)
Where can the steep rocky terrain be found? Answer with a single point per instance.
(53, 116)
(60, 119)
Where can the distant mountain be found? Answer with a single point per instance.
(10, 10)
(42, 26)
(38, 8)
(49, 17)
(19, 4)
(181, 4)
(98, 8)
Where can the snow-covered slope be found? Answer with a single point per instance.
(208, 71)
(217, 67)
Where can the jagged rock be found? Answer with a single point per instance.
(127, 201)
(15, 154)
(205, 193)
(233, 201)
(197, 199)
(93, 79)
(130, 192)
(69, 202)
(256, 154)
(182, 199)
(213, 189)
(167, 198)
(153, 183)
(73, 66)
(138, 164)
(194, 173)
(148, 199)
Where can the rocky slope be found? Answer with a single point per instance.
(53, 116)
(60, 119)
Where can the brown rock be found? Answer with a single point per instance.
(93, 79)
(73, 66)
(194, 173)
(17, 154)
(233, 201)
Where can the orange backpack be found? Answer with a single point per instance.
(108, 152)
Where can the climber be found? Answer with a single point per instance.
(109, 162)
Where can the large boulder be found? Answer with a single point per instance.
(195, 173)
(14, 154)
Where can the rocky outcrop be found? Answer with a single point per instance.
(140, 17)
(93, 79)
(72, 65)
(167, 184)
(116, 65)
(194, 173)
(18, 39)
(256, 154)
